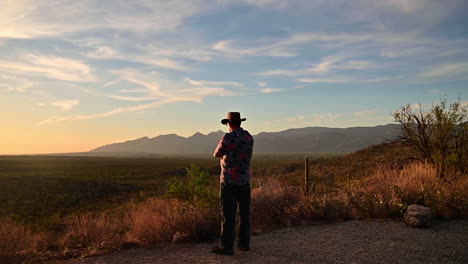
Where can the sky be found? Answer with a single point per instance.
(75, 75)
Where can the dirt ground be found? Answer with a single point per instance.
(346, 242)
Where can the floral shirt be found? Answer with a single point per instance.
(235, 151)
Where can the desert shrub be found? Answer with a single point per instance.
(162, 221)
(321, 207)
(271, 203)
(94, 233)
(194, 188)
(388, 192)
(15, 238)
(439, 133)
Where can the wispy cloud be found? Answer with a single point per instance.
(115, 111)
(14, 84)
(161, 92)
(193, 52)
(103, 52)
(33, 19)
(341, 79)
(270, 90)
(53, 67)
(64, 105)
(190, 95)
(144, 49)
(133, 91)
(449, 71)
(325, 66)
(227, 48)
(201, 82)
(106, 52)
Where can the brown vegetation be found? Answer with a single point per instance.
(381, 191)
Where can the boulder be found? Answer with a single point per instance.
(418, 216)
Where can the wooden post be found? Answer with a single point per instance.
(349, 173)
(306, 175)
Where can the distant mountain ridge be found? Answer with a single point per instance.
(308, 139)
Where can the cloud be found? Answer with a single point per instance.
(133, 91)
(201, 82)
(106, 52)
(116, 111)
(191, 95)
(103, 52)
(270, 90)
(63, 105)
(227, 48)
(20, 88)
(180, 51)
(132, 99)
(163, 63)
(35, 19)
(338, 79)
(14, 84)
(53, 67)
(160, 91)
(262, 84)
(448, 71)
(124, 97)
(325, 66)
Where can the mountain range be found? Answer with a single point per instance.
(308, 139)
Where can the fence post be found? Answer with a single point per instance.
(306, 175)
(349, 173)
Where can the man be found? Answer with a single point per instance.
(234, 150)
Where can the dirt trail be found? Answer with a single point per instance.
(347, 242)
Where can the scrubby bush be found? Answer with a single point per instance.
(440, 133)
(388, 192)
(383, 193)
(94, 233)
(162, 221)
(194, 188)
(15, 238)
(271, 202)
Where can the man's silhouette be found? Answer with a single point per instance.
(234, 150)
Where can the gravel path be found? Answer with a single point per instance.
(347, 242)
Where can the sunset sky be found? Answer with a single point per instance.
(75, 75)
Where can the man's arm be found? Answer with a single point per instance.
(220, 149)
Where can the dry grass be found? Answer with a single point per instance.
(93, 233)
(16, 239)
(271, 202)
(161, 221)
(275, 204)
(385, 192)
(388, 192)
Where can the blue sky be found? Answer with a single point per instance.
(78, 74)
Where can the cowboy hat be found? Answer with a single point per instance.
(232, 116)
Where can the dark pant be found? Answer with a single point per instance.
(231, 197)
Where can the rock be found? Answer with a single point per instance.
(418, 216)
